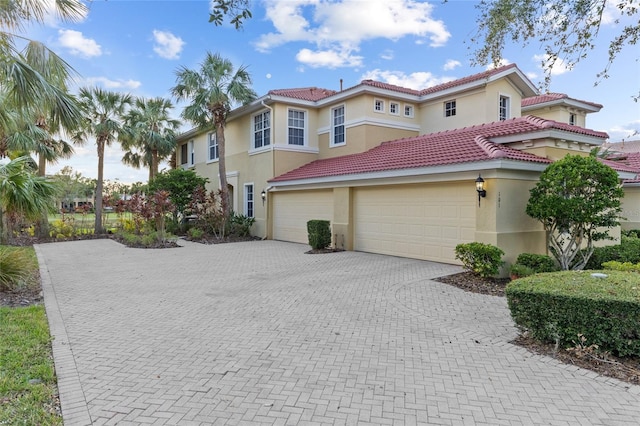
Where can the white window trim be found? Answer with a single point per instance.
(253, 131)
(191, 152)
(375, 101)
(397, 108)
(508, 109)
(332, 127)
(454, 109)
(246, 199)
(413, 111)
(305, 130)
(211, 160)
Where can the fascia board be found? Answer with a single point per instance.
(565, 101)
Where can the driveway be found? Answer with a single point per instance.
(262, 333)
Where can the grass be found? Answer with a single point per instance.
(28, 387)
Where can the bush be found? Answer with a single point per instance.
(17, 266)
(538, 262)
(195, 233)
(482, 259)
(519, 270)
(240, 225)
(627, 251)
(560, 306)
(621, 266)
(319, 234)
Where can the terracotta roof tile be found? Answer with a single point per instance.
(626, 162)
(469, 79)
(304, 93)
(550, 97)
(469, 144)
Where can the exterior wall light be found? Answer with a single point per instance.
(263, 195)
(480, 188)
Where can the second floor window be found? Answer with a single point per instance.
(262, 129)
(184, 154)
(337, 125)
(408, 111)
(503, 108)
(213, 147)
(572, 119)
(296, 127)
(450, 108)
(394, 108)
(378, 105)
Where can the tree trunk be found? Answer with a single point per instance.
(98, 229)
(222, 170)
(153, 169)
(42, 226)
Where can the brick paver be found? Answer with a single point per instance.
(262, 333)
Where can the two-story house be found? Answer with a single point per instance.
(395, 169)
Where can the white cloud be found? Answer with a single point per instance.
(451, 64)
(112, 84)
(387, 55)
(628, 131)
(416, 80)
(167, 45)
(341, 26)
(559, 66)
(328, 59)
(78, 45)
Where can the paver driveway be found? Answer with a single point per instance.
(262, 333)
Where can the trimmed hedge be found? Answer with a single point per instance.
(559, 306)
(319, 233)
(538, 262)
(627, 251)
(482, 259)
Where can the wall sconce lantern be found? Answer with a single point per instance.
(263, 195)
(480, 188)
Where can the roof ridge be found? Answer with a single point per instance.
(490, 148)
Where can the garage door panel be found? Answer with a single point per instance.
(292, 211)
(420, 221)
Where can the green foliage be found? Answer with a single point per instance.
(621, 266)
(577, 200)
(319, 233)
(25, 354)
(240, 225)
(518, 270)
(18, 267)
(537, 262)
(482, 259)
(627, 251)
(63, 227)
(180, 184)
(560, 306)
(195, 233)
(236, 10)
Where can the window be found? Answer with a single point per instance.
(337, 125)
(394, 108)
(192, 153)
(503, 108)
(213, 147)
(184, 154)
(262, 129)
(572, 119)
(248, 200)
(378, 105)
(296, 127)
(408, 111)
(450, 108)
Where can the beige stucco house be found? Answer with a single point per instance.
(394, 169)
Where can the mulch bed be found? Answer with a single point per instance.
(624, 369)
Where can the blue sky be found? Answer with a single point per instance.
(136, 47)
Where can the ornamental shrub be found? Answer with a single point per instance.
(482, 259)
(17, 265)
(621, 266)
(319, 232)
(627, 251)
(538, 262)
(557, 307)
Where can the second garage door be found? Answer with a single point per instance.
(416, 221)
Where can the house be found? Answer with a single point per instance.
(628, 153)
(394, 169)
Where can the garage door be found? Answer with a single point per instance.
(417, 221)
(292, 211)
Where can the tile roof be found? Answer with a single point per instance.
(625, 146)
(304, 93)
(550, 97)
(626, 162)
(469, 79)
(469, 144)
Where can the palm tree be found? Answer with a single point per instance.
(104, 112)
(22, 193)
(213, 90)
(150, 134)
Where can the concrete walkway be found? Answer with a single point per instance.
(262, 333)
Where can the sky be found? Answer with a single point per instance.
(136, 47)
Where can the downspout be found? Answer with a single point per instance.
(272, 134)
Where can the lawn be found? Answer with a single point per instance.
(81, 223)
(28, 387)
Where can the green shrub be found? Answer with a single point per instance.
(482, 259)
(621, 266)
(319, 234)
(149, 240)
(17, 267)
(131, 239)
(518, 270)
(627, 251)
(538, 262)
(195, 233)
(560, 306)
(240, 225)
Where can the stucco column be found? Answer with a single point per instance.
(342, 224)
